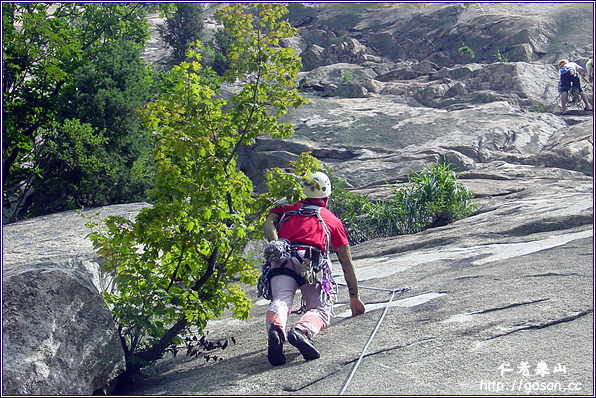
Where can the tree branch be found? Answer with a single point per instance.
(211, 261)
(156, 351)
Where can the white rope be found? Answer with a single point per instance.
(369, 341)
(378, 288)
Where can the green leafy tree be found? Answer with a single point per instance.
(180, 262)
(103, 96)
(218, 46)
(44, 44)
(73, 154)
(183, 27)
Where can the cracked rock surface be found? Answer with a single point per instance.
(497, 299)
(499, 303)
(510, 287)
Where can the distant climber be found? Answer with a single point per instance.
(590, 70)
(569, 73)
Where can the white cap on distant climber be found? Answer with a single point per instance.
(562, 62)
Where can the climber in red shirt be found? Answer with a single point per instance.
(306, 230)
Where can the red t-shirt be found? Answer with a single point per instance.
(308, 230)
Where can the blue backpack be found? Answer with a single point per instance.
(567, 69)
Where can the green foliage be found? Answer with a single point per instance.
(466, 50)
(218, 47)
(352, 209)
(180, 262)
(540, 108)
(71, 159)
(439, 197)
(430, 199)
(501, 57)
(349, 77)
(183, 27)
(45, 47)
(104, 95)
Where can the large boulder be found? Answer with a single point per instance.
(389, 136)
(531, 86)
(321, 78)
(58, 335)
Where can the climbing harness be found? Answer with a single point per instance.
(314, 268)
(372, 336)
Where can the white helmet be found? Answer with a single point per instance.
(317, 186)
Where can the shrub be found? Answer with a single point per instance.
(431, 198)
(351, 208)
